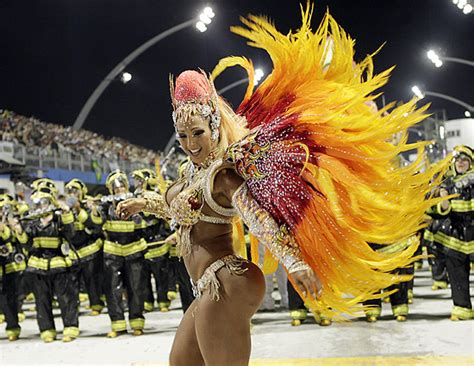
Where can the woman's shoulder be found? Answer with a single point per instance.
(226, 182)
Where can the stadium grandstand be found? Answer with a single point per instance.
(30, 148)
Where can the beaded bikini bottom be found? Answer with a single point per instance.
(209, 279)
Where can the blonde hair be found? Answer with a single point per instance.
(233, 127)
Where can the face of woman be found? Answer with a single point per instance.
(462, 165)
(194, 135)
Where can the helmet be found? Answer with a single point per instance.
(461, 151)
(78, 185)
(147, 176)
(116, 179)
(43, 196)
(7, 199)
(44, 182)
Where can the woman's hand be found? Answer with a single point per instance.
(308, 283)
(171, 239)
(130, 207)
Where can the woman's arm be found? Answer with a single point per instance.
(233, 192)
(150, 202)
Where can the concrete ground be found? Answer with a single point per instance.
(428, 337)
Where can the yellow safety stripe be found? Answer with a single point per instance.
(119, 226)
(466, 247)
(173, 251)
(71, 332)
(400, 309)
(440, 211)
(141, 225)
(138, 323)
(48, 333)
(22, 208)
(373, 311)
(67, 218)
(96, 219)
(460, 177)
(79, 226)
(431, 210)
(124, 250)
(6, 233)
(22, 238)
(15, 267)
(119, 325)
(13, 332)
(55, 262)
(46, 242)
(462, 205)
(299, 314)
(148, 306)
(463, 313)
(82, 216)
(157, 251)
(87, 250)
(428, 235)
(97, 307)
(9, 247)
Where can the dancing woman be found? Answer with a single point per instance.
(305, 163)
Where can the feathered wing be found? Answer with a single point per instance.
(320, 163)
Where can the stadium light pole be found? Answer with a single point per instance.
(258, 76)
(437, 60)
(421, 94)
(199, 22)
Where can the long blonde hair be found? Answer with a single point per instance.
(233, 127)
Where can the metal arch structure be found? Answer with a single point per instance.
(83, 114)
(457, 60)
(469, 107)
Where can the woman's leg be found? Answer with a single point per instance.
(185, 350)
(223, 327)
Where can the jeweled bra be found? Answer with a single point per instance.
(185, 210)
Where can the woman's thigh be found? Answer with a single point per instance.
(223, 327)
(185, 350)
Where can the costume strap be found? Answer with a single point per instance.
(207, 190)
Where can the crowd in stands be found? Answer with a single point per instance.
(30, 131)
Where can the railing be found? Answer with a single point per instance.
(45, 158)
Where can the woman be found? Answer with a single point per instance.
(310, 180)
(207, 325)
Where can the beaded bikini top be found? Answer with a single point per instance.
(186, 207)
(185, 210)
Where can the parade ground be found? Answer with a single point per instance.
(428, 337)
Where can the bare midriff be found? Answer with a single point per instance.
(210, 242)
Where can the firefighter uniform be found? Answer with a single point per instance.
(457, 232)
(50, 265)
(398, 292)
(157, 255)
(12, 265)
(299, 312)
(435, 249)
(86, 244)
(179, 276)
(124, 249)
